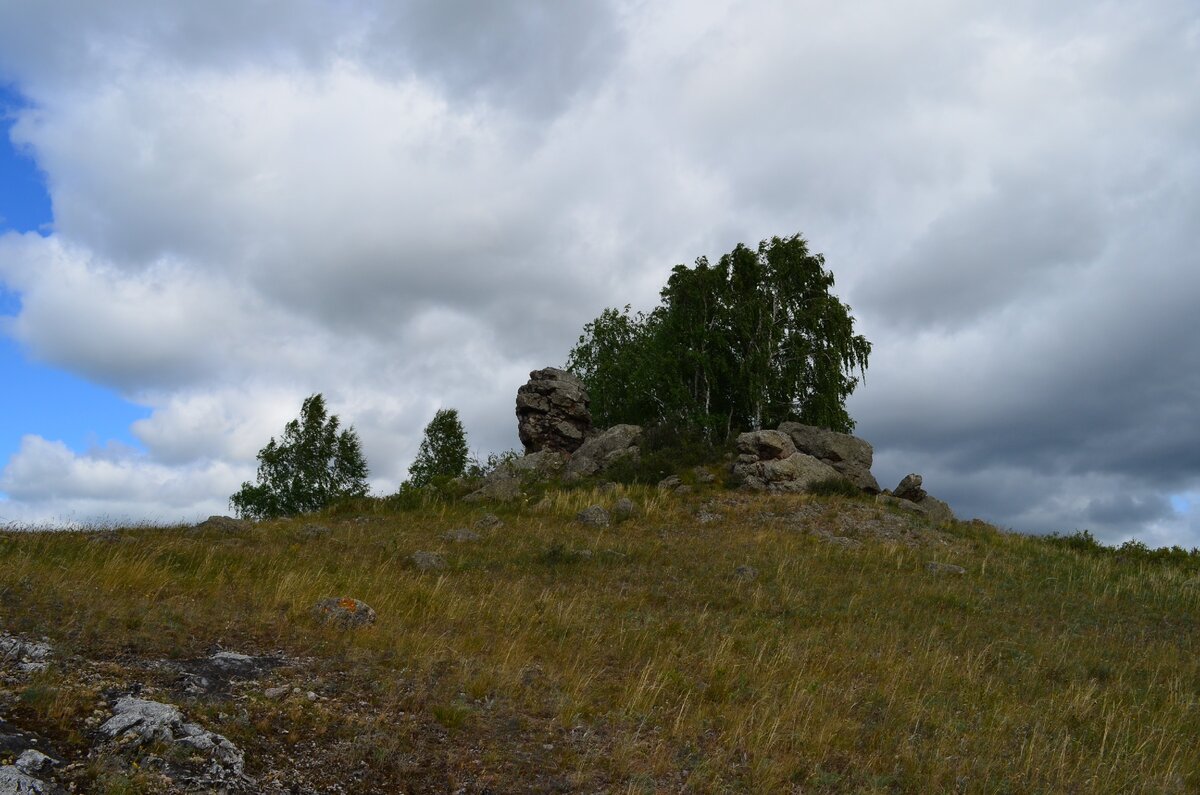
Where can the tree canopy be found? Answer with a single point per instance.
(443, 450)
(310, 466)
(755, 340)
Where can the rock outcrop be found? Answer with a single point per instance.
(552, 412)
(506, 481)
(910, 496)
(769, 461)
(849, 455)
(602, 450)
(139, 721)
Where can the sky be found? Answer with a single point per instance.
(210, 211)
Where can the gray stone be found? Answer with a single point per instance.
(937, 510)
(765, 445)
(623, 508)
(934, 567)
(489, 521)
(926, 505)
(910, 488)
(140, 721)
(703, 475)
(552, 412)
(15, 648)
(32, 761)
(461, 535)
(428, 561)
(849, 455)
(276, 693)
(796, 473)
(896, 502)
(14, 781)
(602, 450)
(593, 516)
(345, 611)
(28, 656)
(670, 483)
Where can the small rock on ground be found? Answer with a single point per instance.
(623, 509)
(489, 521)
(593, 516)
(345, 611)
(14, 781)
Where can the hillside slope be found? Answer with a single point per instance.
(716, 642)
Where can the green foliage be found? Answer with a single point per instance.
(481, 469)
(664, 452)
(1132, 550)
(753, 341)
(311, 466)
(443, 451)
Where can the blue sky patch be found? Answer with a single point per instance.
(36, 398)
(24, 200)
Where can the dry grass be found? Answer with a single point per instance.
(631, 659)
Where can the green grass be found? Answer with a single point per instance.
(631, 659)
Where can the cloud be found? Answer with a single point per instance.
(48, 483)
(407, 207)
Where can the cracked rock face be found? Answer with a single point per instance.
(552, 412)
(769, 461)
(849, 455)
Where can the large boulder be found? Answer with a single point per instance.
(769, 461)
(552, 412)
(910, 489)
(602, 450)
(764, 446)
(849, 455)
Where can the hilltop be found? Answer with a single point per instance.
(704, 641)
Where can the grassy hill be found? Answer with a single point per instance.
(714, 642)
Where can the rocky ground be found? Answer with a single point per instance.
(146, 731)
